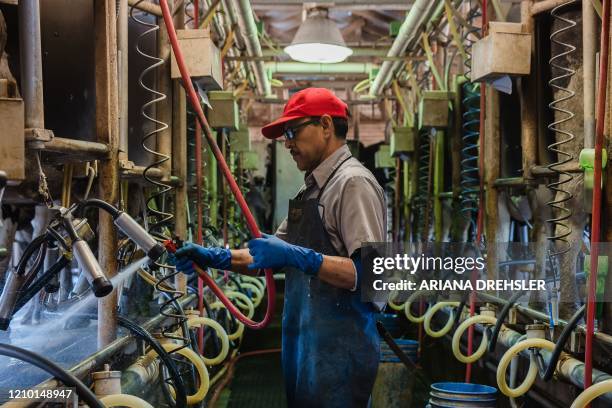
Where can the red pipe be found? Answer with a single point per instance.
(480, 216)
(246, 212)
(198, 164)
(596, 209)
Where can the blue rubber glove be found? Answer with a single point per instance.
(214, 257)
(272, 252)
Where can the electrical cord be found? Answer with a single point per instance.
(49, 366)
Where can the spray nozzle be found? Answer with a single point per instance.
(172, 245)
(139, 235)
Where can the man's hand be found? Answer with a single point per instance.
(218, 258)
(272, 252)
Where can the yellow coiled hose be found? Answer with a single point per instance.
(124, 400)
(431, 313)
(197, 362)
(594, 391)
(482, 319)
(243, 302)
(409, 301)
(257, 293)
(533, 366)
(198, 321)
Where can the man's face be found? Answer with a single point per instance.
(308, 143)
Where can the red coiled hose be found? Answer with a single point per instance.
(250, 220)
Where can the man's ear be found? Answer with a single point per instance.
(327, 124)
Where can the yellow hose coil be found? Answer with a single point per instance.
(124, 400)
(239, 329)
(205, 321)
(242, 301)
(533, 366)
(431, 313)
(412, 298)
(251, 279)
(197, 362)
(391, 303)
(482, 319)
(594, 391)
(257, 294)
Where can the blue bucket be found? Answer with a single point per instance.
(409, 347)
(464, 395)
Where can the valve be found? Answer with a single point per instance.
(106, 382)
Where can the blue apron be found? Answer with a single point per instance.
(330, 345)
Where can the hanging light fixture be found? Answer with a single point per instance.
(318, 40)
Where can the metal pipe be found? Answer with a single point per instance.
(588, 71)
(179, 158)
(145, 6)
(546, 5)
(122, 61)
(232, 21)
(107, 131)
(568, 368)
(31, 63)
(306, 68)
(420, 12)
(74, 146)
(544, 317)
(248, 30)
(163, 107)
(528, 99)
(83, 369)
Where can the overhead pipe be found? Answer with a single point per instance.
(248, 30)
(420, 12)
(232, 21)
(306, 68)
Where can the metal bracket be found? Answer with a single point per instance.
(36, 135)
(126, 165)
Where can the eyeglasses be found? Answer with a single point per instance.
(291, 133)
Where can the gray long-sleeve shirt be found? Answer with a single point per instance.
(353, 202)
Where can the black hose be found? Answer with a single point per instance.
(500, 319)
(140, 332)
(37, 244)
(49, 366)
(34, 288)
(102, 205)
(69, 226)
(560, 343)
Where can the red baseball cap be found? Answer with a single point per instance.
(305, 103)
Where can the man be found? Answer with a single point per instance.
(330, 344)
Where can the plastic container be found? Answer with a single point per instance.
(464, 395)
(409, 347)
